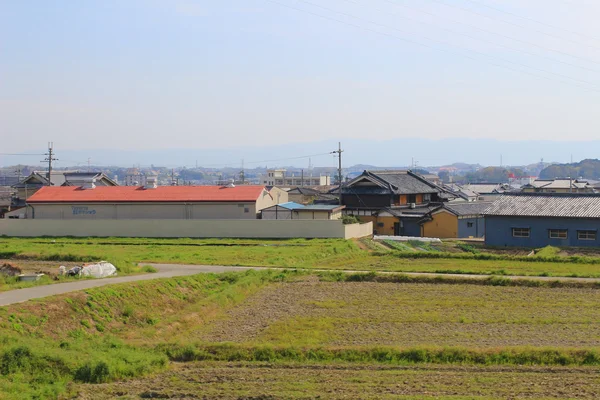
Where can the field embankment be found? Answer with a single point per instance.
(365, 255)
(350, 327)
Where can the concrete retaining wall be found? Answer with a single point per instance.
(185, 228)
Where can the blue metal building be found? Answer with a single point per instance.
(538, 220)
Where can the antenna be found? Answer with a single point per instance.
(49, 158)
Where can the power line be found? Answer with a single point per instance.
(445, 43)
(502, 35)
(265, 161)
(492, 33)
(511, 23)
(21, 154)
(532, 19)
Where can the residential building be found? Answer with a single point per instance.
(151, 202)
(563, 185)
(542, 219)
(38, 179)
(393, 200)
(291, 210)
(487, 191)
(455, 220)
(307, 195)
(281, 178)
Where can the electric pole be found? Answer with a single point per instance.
(18, 172)
(339, 152)
(243, 174)
(49, 158)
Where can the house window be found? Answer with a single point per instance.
(586, 235)
(246, 210)
(557, 233)
(426, 198)
(520, 232)
(412, 198)
(469, 224)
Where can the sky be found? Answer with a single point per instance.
(149, 75)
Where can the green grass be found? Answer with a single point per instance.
(108, 333)
(127, 331)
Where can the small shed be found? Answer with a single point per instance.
(293, 210)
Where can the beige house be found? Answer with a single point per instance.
(90, 202)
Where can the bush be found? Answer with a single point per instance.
(89, 373)
(149, 269)
(350, 219)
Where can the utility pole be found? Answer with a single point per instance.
(339, 152)
(18, 172)
(49, 158)
(242, 174)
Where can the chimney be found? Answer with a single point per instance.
(151, 182)
(89, 183)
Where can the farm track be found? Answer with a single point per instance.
(174, 270)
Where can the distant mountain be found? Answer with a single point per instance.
(364, 153)
(587, 169)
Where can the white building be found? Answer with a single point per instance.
(280, 177)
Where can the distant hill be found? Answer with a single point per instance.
(588, 169)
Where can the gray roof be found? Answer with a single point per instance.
(486, 188)
(546, 205)
(468, 208)
(418, 211)
(397, 182)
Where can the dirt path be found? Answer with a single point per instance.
(164, 271)
(172, 270)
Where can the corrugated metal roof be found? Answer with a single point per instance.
(321, 207)
(290, 205)
(468, 208)
(546, 205)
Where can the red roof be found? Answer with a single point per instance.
(135, 194)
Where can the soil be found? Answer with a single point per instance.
(310, 312)
(293, 381)
(49, 268)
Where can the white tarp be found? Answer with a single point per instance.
(99, 270)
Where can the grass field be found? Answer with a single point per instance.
(289, 334)
(334, 254)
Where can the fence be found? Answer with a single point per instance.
(169, 228)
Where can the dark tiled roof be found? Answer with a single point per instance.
(405, 182)
(468, 208)
(546, 205)
(396, 182)
(418, 211)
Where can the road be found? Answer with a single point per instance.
(164, 271)
(172, 270)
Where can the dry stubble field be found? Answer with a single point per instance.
(310, 312)
(293, 381)
(316, 313)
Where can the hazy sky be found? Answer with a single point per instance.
(154, 74)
